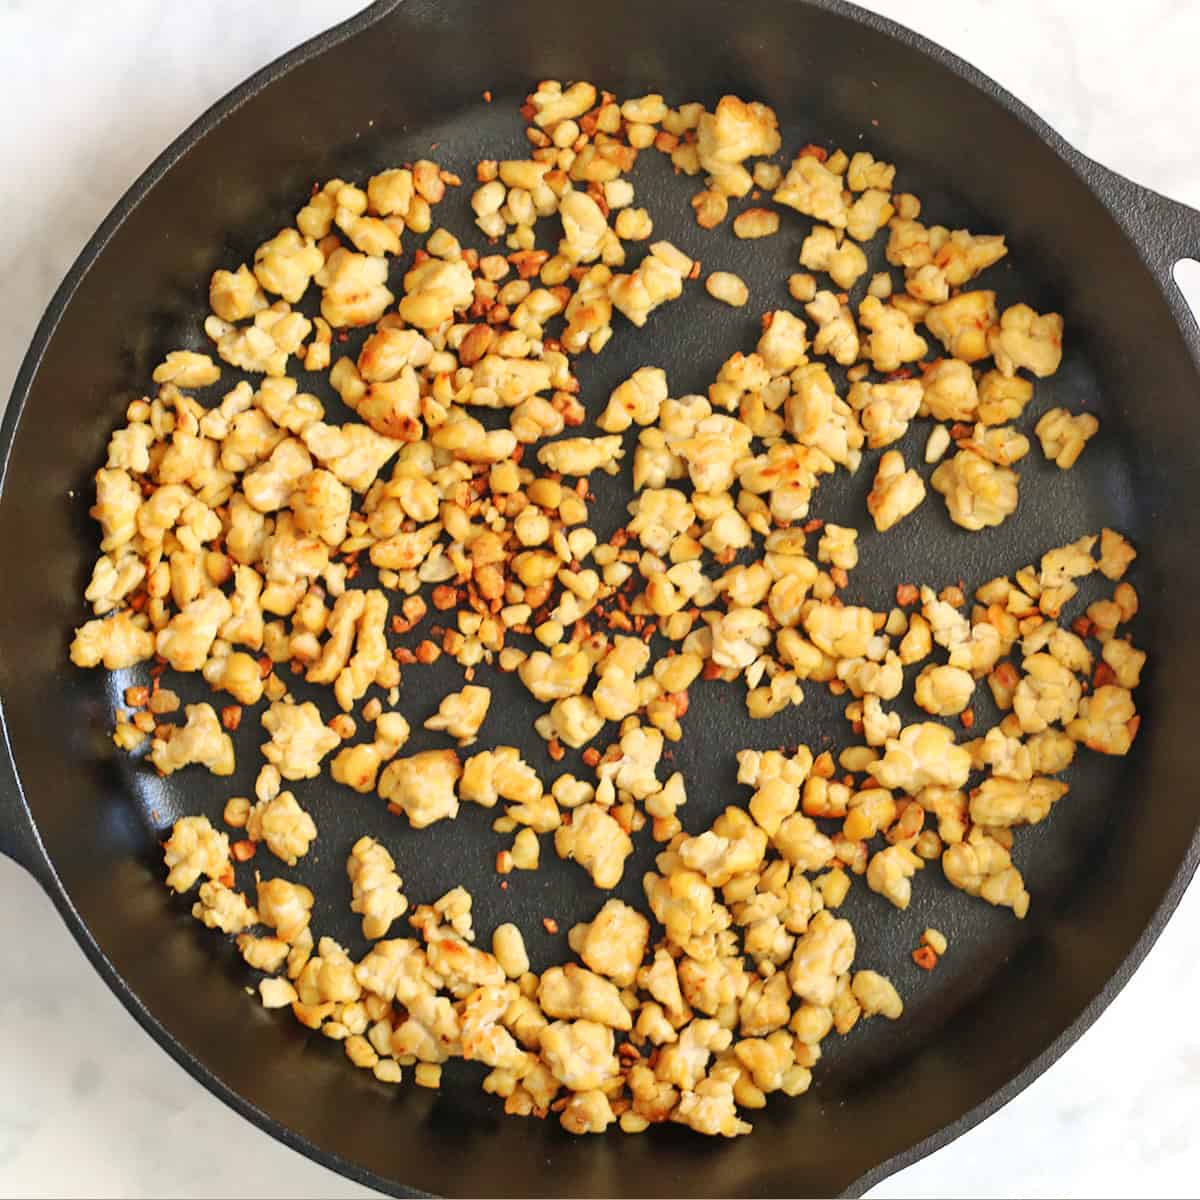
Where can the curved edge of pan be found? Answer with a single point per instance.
(1163, 231)
(26, 849)
(19, 838)
(133, 196)
(1044, 1061)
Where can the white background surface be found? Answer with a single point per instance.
(89, 93)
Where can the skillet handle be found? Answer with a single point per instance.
(18, 836)
(1164, 231)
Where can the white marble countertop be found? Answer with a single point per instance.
(88, 1104)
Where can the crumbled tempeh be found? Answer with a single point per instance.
(266, 535)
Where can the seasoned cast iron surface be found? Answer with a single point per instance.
(690, 338)
(997, 1007)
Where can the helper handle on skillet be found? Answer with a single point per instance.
(18, 837)
(1163, 230)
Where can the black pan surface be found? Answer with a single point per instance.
(1102, 880)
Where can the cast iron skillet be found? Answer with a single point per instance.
(1105, 871)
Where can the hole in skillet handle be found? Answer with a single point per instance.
(1166, 233)
(1186, 273)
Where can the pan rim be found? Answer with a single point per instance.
(1092, 175)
